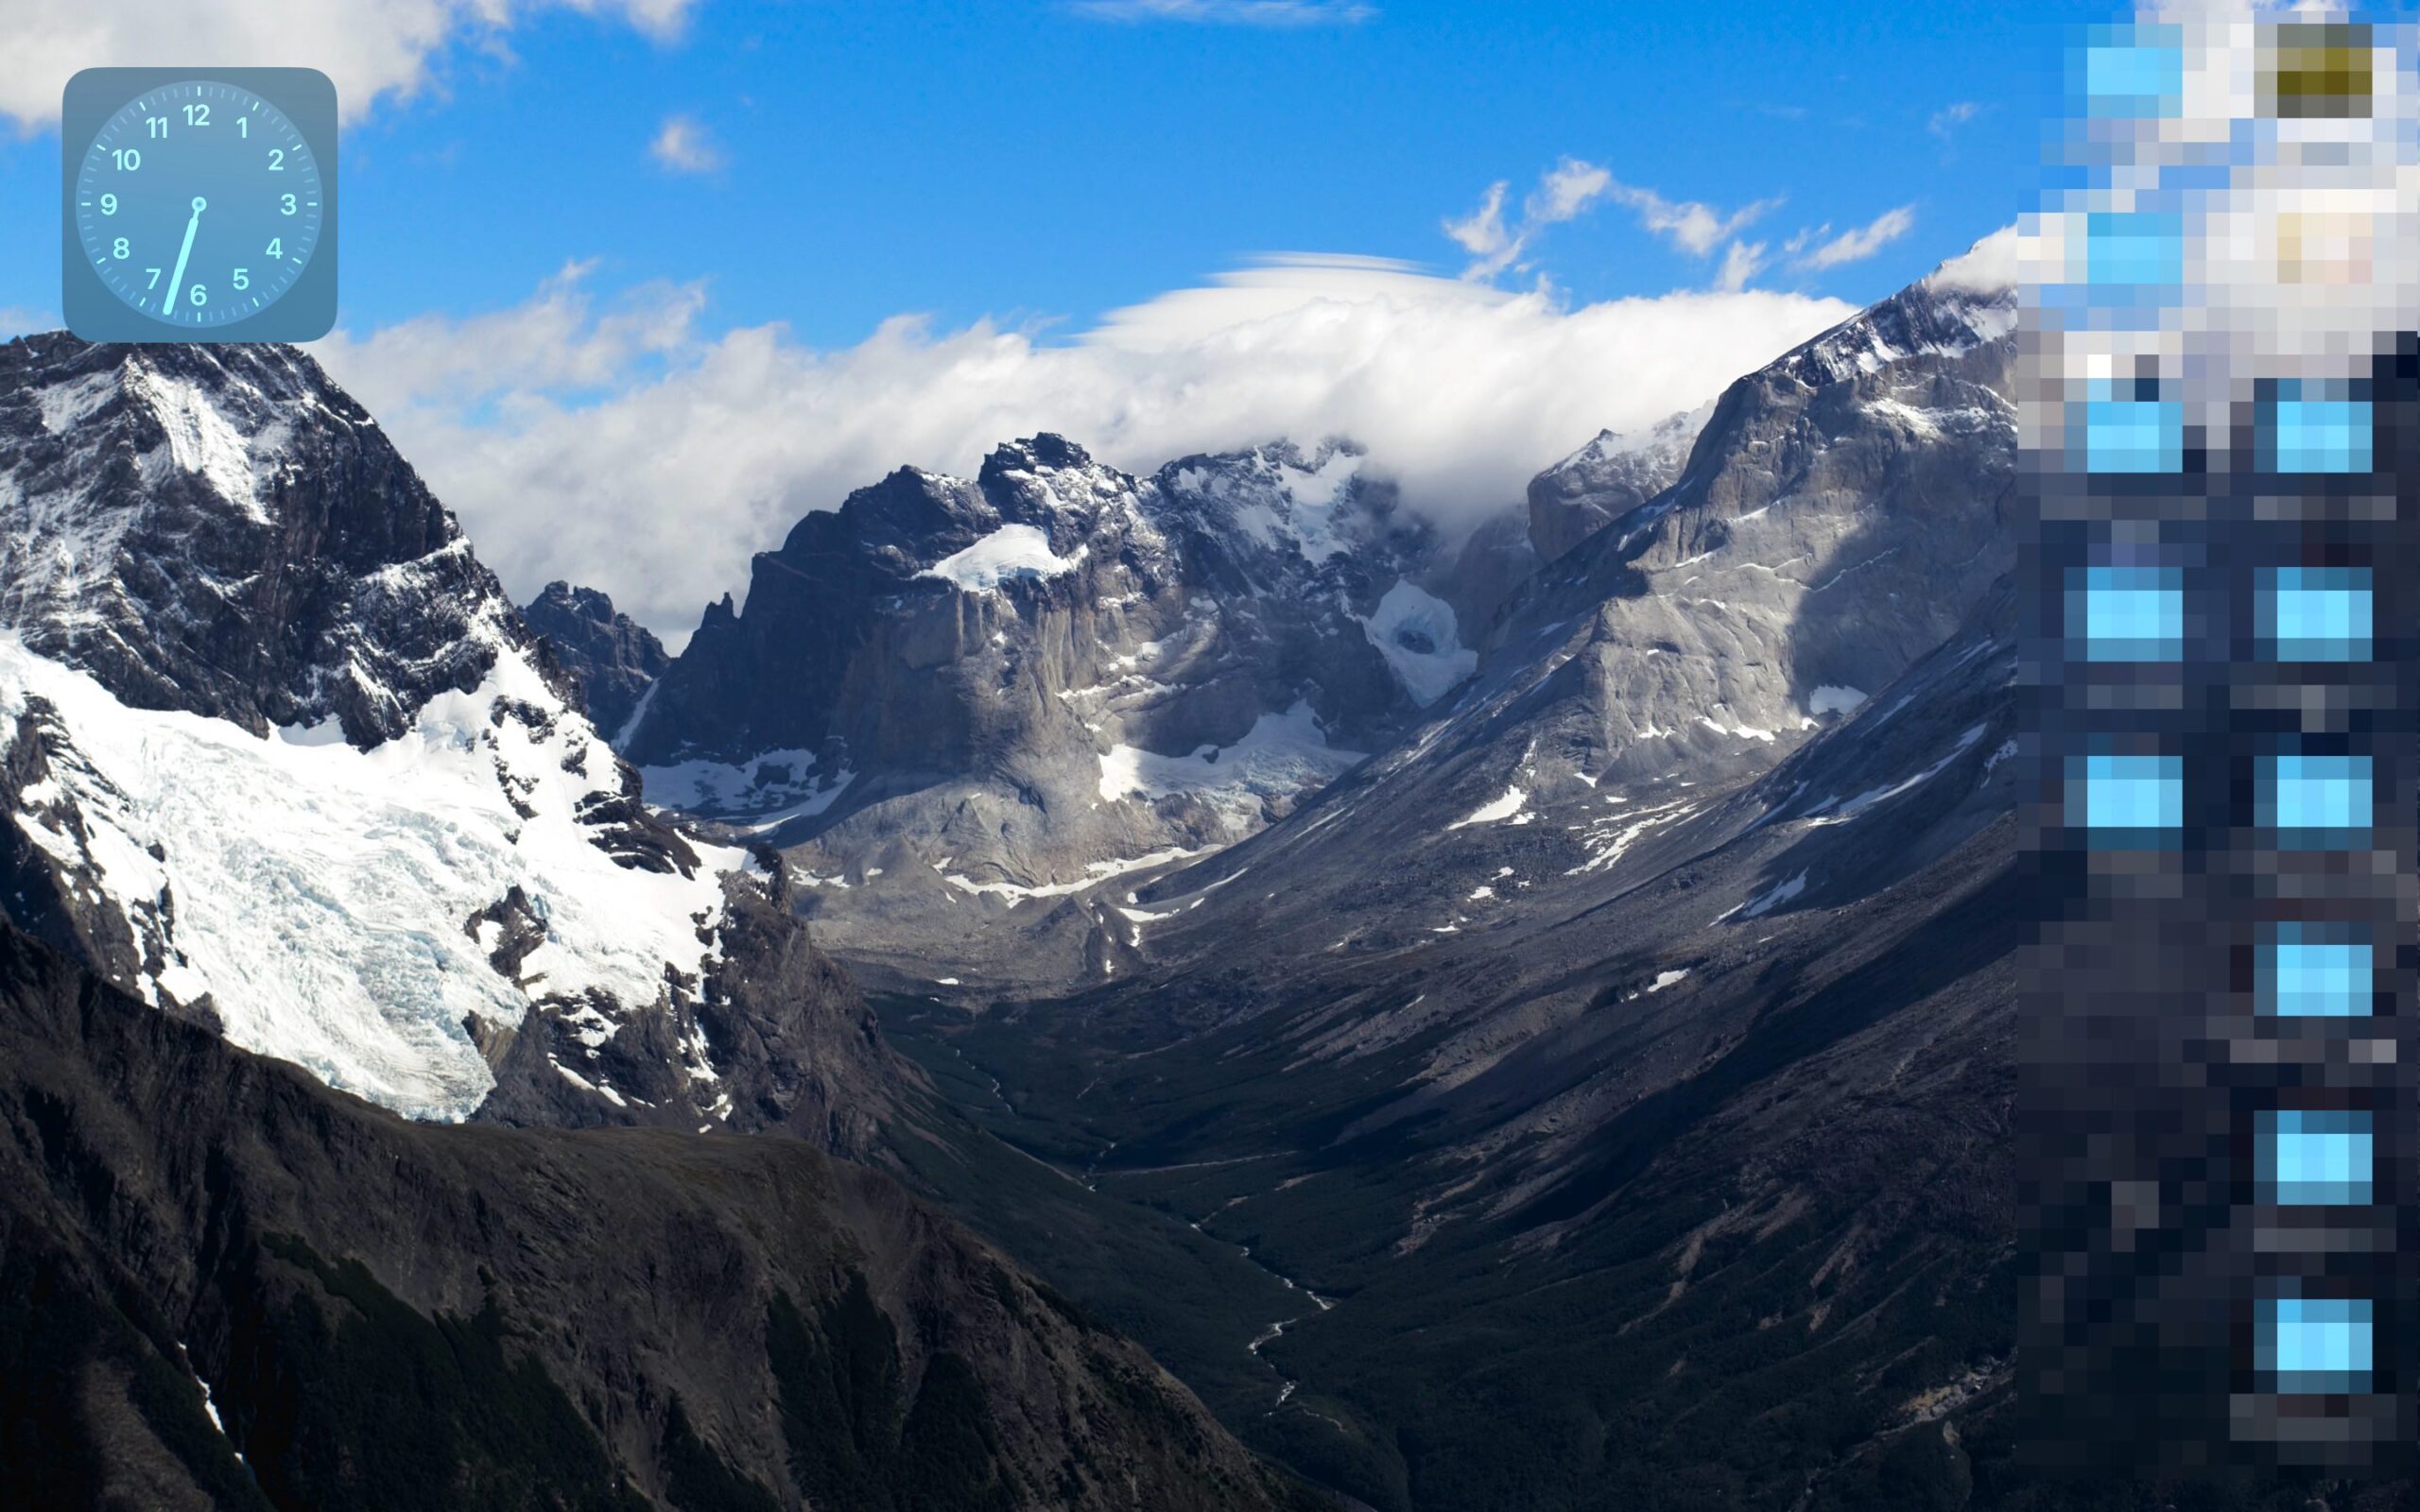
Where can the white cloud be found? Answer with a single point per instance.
(612, 442)
(1232, 12)
(1741, 262)
(2003, 260)
(1481, 232)
(1857, 244)
(1695, 228)
(371, 48)
(556, 342)
(1569, 189)
(684, 146)
(1947, 120)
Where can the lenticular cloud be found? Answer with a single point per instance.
(614, 443)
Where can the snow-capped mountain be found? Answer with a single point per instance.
(281, 757)
(1842, 514)
(959, 699)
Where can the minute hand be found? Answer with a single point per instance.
(183, 252)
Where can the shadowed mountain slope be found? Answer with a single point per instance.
(397, 1315)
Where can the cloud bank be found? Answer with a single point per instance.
(614, 442)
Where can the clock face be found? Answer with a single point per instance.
(198, 204)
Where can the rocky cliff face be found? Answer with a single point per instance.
(1805, 643)
(1608, 479)
(1595, 1133)
(950, 698)
(227, 1286)
(281, 759)
(221, 530)
(1843, 513)
(616, 659)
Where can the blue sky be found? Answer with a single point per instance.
(635, 283)
(1033, 157)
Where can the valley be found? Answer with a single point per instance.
(1503, 1029)
(1532, 1113)
(1204, 756)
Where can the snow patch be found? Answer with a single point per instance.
(1827, 812)
(1010, 552)
(1613, 835)
(200, 440)
(1509, 806)
(318, 894)
(769, 788)
(1283, 755)
(1416, 634)
(1742, 732)
(66, 405)
(1780, 893)
(1095, 874)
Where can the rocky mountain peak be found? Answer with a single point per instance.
(1057, 672)
(1044, 452)
(223, 530)
(391, 849)
(1048, 483)
(1610, 476)
(616, 657)
(1937, 316)
(1278, 510)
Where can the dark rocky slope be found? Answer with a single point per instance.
(616, 657)
(399, 1315)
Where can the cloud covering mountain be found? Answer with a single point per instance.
(620, 444)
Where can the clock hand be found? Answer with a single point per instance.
(169, 306)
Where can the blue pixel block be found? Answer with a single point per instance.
(2132, 793)
(2133, 247)
(2134, 73)
(2321, 435)
(2133, 435)
(2309, 978)
(2319, 801)
(2132, 613)
(2314, 1158)
(2316, 613)
(2315, 1344)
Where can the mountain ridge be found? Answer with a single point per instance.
(616, 659)
(233, 1286)
(284, 760)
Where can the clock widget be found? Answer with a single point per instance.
(200, 204)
